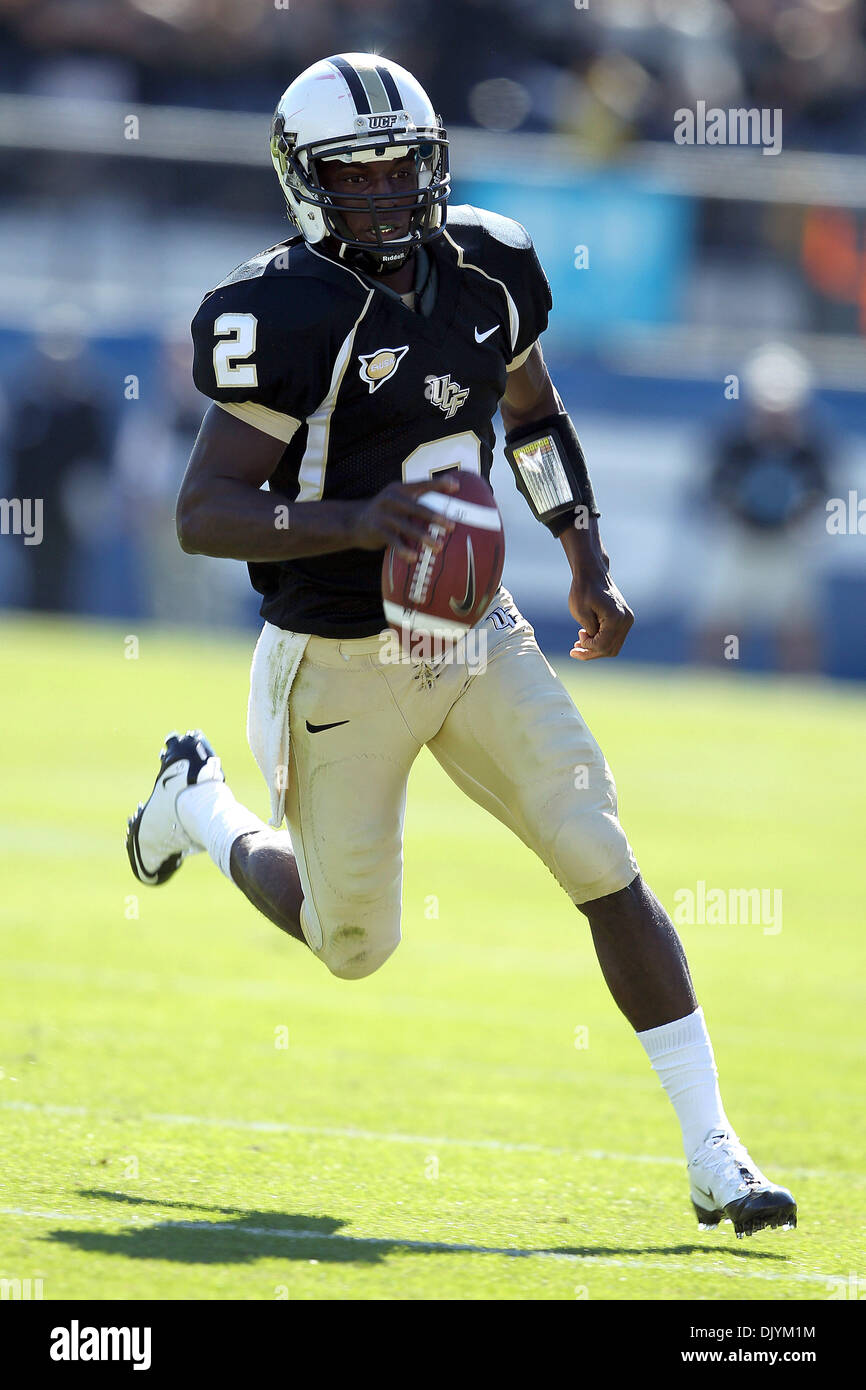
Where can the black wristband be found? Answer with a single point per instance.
(550, 471)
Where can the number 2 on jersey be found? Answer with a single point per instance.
(238, 340)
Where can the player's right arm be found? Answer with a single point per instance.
(223, 511)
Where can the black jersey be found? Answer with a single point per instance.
(364, 390)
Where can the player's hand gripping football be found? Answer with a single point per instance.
(594, 600)
(396, 517)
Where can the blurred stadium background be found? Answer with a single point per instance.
(709, 302)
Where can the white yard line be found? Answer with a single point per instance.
(393, 1137)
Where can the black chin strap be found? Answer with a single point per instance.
(370, 263)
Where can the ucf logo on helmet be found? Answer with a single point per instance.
(442, 391)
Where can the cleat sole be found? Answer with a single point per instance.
(748, 1224)
(165, 870)
(783, 1218)
(765, 1211)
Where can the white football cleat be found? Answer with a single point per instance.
(156, 842)
(727, 1186)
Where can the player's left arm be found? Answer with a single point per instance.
(594, 600)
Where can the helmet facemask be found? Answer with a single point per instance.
(320, 212)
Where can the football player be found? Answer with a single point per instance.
(352, 367)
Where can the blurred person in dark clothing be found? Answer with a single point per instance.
(59, 446)
(767, 487)
(154, 442)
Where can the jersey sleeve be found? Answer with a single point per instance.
(512, 259)
(262, 351)
(534, 301)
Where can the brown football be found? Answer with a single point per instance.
(445, 594)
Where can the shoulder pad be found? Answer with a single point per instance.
(477, 224)
(292, 260)
(286, 280)
(502, 249)
(273, 261)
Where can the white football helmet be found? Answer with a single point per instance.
(360, 107)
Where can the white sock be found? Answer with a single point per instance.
(682, 1057)
(212, 818)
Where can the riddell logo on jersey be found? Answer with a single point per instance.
(377, 367)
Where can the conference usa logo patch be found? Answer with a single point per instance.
(377, 367)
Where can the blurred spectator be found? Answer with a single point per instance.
(768, 487)
(59, 445)
(609, 71)
(153, 447)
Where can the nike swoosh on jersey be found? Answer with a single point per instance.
(479, 337)
(318, 728)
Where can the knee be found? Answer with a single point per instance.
(354, 924)
(353, 951)
(592, 856)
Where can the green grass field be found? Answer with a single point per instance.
(432, 1132)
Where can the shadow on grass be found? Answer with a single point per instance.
(256, 1235)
